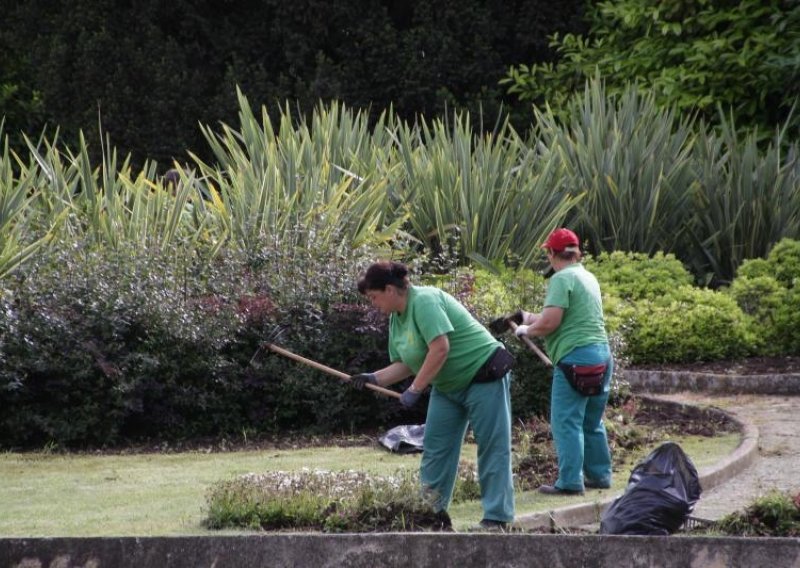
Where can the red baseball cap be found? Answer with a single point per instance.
(561, 240)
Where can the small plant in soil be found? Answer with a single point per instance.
(323, 501)
(534, 458)
(775, 514)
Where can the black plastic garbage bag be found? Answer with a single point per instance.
(662, 491)
(404, 439)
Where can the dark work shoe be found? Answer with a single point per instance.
(443, 522)
(590, 484)
(488, 525)
(553, 490)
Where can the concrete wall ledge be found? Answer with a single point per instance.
(464, 550)
(656, 381)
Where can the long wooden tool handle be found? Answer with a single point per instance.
(326, 369)
(527, 340)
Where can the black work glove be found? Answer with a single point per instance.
(500, 325)
(409, 398)
(362, 379)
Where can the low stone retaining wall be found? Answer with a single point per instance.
(653, 381)
(398, 549)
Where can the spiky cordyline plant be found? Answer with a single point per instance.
(23, 230)
(495, 194)
(632, 161)
(307, 175)
(747, 199)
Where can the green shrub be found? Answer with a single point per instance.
(104, 347)
(506, 290)
(785, 332)
(530, 385)
(317, 500)
(784, 258)
(638, 276)
(628, 277)
(99, 346)
(757, 296)
(754, 268)
(660, 317)
(774, 311)
(348, 337)
(618, 312)
(776, 514)
(691, 325)
(766, 290)
(782, 263)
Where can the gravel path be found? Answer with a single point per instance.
(777, 466)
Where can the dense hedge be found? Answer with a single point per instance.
(97, 348)
(151, 71)
(691, 325)
(100, 349)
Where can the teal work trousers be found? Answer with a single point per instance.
(577, 423)
(487, 408)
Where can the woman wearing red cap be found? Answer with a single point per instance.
(573, 328)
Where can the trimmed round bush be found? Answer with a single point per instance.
(782, 263)
(767, 290)
(637, 276)
(694, 325)
(774, 311)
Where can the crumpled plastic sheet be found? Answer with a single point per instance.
(404, 439)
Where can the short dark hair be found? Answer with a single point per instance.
(172, 176)
(383, 273)
(566, 254)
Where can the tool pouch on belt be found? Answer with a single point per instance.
(495, 367)
(586, 379)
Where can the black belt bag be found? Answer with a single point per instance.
(586, 379)
(495, 367)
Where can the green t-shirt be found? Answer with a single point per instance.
(431, 312)
(577, 291)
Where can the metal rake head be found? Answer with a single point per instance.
(262, 352)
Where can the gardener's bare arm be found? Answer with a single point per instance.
(392, 374)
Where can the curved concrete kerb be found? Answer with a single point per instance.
(742, 457)
(589, 513)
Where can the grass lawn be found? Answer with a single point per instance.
(44, 495)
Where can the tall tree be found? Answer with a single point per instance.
(743, 56)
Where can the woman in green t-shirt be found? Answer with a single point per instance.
(573, 328)
(434, 338)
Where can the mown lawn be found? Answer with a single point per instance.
(45, 495)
